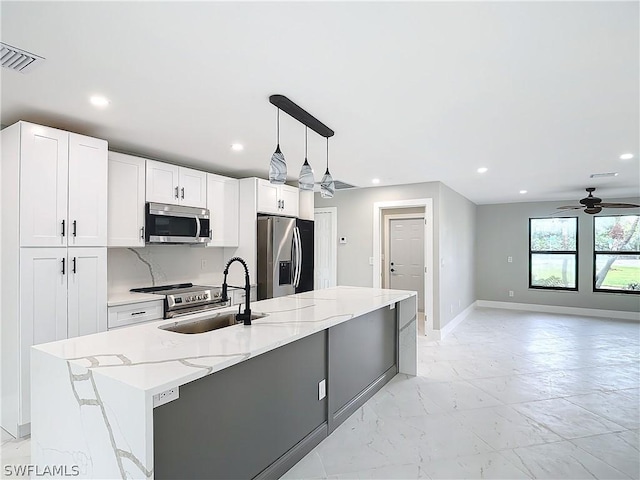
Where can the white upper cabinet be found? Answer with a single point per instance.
(277, 199)
(63, 188)
(222, 201)
(87, 191)
(175, 185)
(193, 187)
(126, 199)
(87, 291)
(162, 182)
(44, 161)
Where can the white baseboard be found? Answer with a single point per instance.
(451, 326)
(532, 307)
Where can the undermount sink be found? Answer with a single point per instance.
(208, 324)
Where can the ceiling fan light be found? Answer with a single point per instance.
(306, 180)
(593, 210)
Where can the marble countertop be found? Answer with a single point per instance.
(151, 359)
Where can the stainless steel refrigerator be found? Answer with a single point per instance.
(285, 256)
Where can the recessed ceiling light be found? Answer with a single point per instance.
(99, 101)
(483, 170)
(626, 156)
(237, 147)
(523, 192)
(375, 180)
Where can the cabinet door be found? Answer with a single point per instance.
(43, 308)
(193, 187)
(87, 291)
(43, 186)
(268, 197)
(87, 191)
(125, 197)
(222, 201)
(289, 200)
(162, 182)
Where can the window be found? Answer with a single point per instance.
(616, 254)
(553, 254)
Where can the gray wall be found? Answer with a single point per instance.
(503, 230)
(453, 214)
(457, 251)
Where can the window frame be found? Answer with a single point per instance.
(609, 252)
(554, 252)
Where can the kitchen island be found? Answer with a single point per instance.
(255, 393)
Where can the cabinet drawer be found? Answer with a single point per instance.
(123, 315)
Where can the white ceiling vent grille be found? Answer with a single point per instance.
(19, 60)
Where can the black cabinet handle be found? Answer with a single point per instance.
(74, 265)
(75, 227)
(176, 192)
(142, 233)
(63, 228)
(182, 190)
(63, 262)
(138, 313)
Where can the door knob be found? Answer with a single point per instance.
(392, 264)
(393, 270)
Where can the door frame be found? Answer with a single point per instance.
(427, 203)
(333, 256)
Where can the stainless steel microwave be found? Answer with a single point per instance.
(176, 224)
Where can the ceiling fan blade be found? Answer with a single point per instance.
(571, 207)
(618, 205)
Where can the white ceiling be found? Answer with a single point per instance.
(543, 94)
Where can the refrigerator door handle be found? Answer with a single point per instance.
(298, 256)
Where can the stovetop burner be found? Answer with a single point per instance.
(184, 298)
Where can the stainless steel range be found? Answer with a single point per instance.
(185, 298)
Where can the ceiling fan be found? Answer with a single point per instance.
(595, 205)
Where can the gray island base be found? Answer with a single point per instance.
(252, 401)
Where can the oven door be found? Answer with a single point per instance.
(176, 224)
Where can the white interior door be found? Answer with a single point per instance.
(406, 256)
(325, 248)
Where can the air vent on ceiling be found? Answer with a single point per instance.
(342, 185)
(604, 175)
(19, 60)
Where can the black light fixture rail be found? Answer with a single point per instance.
(304, 117)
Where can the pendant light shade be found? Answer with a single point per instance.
(306, 180)
(277, 166)
(327, 187)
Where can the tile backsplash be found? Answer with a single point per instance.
(165, 264)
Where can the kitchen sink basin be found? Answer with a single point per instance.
(207, 324)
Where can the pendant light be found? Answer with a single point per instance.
(327, 187)
(277, 166)
(306, 180)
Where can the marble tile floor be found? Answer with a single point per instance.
(508, 395)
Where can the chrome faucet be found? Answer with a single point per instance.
(246, 315)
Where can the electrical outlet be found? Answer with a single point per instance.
(203, 264)
(451, 308)
(166, 397)
(510, 259)
(392, 306)
(511, 293)
(322, 389)
(370, 260)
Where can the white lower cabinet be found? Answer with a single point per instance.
(63, 293)
(86, 291)
(132, 313)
